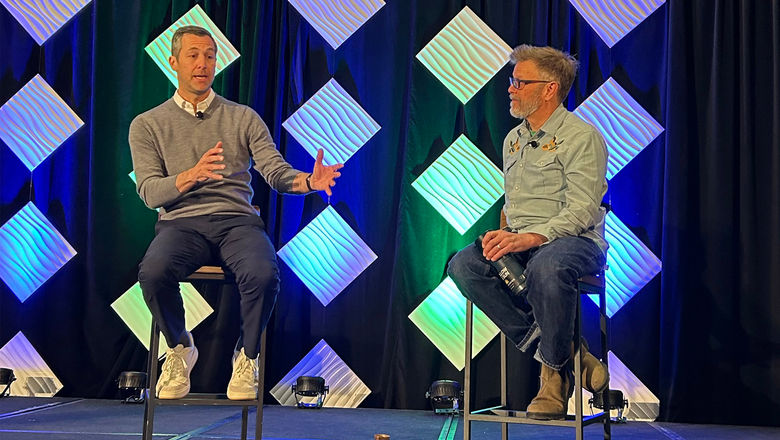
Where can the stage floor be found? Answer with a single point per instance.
(89, 419)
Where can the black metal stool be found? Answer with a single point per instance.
(587, 285)
(215, 274)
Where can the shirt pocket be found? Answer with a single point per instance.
(551, 172)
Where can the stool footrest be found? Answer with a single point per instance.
(206, 399)
(501, 414)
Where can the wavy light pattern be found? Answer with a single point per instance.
(642, 403)
(34, 378)
(132, 310)
(33, 250)
(42, 18)
(613, 19)
(346, 388)
(465, 54)
(462, 184)
(627, 128)
(333, 121)
(327, 255)
(442, 319)
(35, 121)
(160, 48)
(337, 20)
(631, 265)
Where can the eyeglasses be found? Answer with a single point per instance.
(520, 83)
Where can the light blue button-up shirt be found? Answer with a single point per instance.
(555, 179)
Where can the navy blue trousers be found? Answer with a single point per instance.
(181, 246)
(552, 271)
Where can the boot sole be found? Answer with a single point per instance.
(544, 416)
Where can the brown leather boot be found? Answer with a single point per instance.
(595, 375)
(551, 401)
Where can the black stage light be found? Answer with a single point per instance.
(6, 377)
(307, 387)
(616, 401)
(132, 385)
(445, 396)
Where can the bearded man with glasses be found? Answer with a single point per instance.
(554, 181)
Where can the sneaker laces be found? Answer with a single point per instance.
(245, 369)
(174, 368)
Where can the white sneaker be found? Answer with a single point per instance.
(243, 382)
(174, 382)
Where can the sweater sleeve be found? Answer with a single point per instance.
(155, 187)
(268, 161)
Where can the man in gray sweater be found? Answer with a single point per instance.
(191, 157)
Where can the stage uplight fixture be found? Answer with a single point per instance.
(446, 396)
(6, 378)
(132, 385)
(616, 401)
(306, 387)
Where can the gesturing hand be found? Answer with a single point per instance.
(324, 176)
(203, 170)
(498, 243)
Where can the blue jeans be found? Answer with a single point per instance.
(552, 271)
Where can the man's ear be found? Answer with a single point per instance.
(173, 62)
(551, 91)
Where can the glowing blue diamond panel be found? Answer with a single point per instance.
(337, 20)
(332, 121)
(627, 127)
(613, 19)
(462, 184)
(160, 48)
(33, 250)
(465, 54)
(631, 264)
(42, 18)
(327, 255)
(35, 121)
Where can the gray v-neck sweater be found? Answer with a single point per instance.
(167, 140)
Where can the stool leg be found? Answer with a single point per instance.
(504, 425)
(578, 368)
(151, 398)
(604, 326)
(260, 385)
(244, 420)
(467, 374)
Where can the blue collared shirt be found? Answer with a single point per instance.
(555, 179)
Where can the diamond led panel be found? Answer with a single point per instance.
(333, 121)
(642, 403)
(35, 121)
(133, 311)
(613, 19)
(442, 319)
(327, 255)
(627, 128)
(32, 251)
(33, 377)
(336, 20)
(462, 184)
(42, 18)
(160, 48)
(465, 54)
(631, 264)
(346, 390)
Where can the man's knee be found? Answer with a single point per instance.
(462, 262)
(264, 278)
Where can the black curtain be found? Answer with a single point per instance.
(703, 336)
(720, 303)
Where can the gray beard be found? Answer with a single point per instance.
(525, 110)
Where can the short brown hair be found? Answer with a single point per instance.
(557, 65)
(192, 30)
